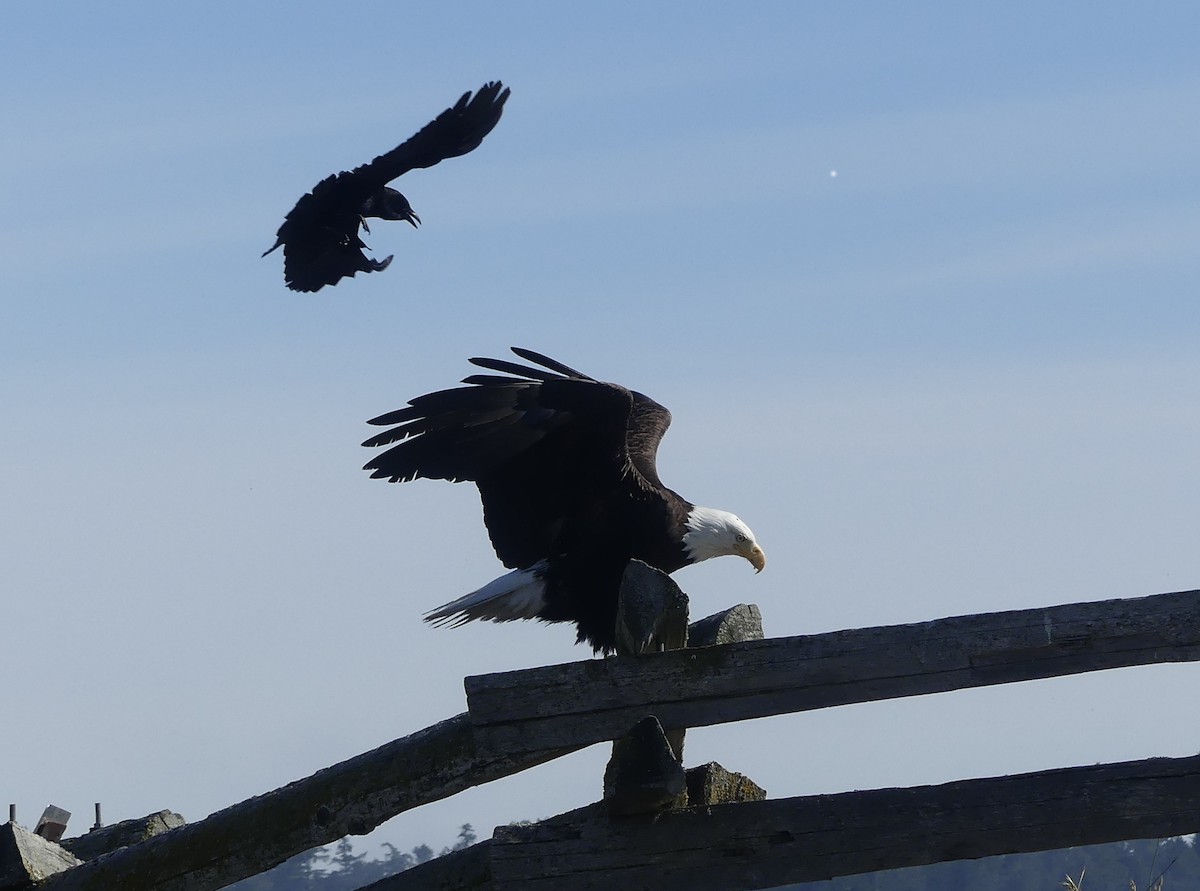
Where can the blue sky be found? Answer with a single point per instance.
(959, 376)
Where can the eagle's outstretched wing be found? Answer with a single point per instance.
(540, 444)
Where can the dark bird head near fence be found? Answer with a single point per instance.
(320, 235)
(566, 470)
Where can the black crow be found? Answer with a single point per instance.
(320, 234)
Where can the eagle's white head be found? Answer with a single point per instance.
(718, 533)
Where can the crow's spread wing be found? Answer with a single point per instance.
(320, 234)
(456, 131)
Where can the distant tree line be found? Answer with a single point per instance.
(338, 868)
(1122, 866)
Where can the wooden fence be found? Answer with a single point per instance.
(516, 720)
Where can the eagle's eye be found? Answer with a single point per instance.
(741, 537)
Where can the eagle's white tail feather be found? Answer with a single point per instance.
(520, 594)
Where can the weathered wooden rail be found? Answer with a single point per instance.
(350, 798)
(587, 702)
(519, 719)
(762, 844)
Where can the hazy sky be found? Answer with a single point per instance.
(960, 375)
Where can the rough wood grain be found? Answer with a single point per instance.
(26, 857)
(761, 844)
(515, 723)
(712, 784)
(644, 775)
(52, 823)
(652, 615)
(738, 623)
(652, 612)
(352, 797)
(121, 835)
(586, 702)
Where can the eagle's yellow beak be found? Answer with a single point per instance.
(753, 553)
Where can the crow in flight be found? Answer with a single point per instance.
(320, 235)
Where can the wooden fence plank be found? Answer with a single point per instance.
(25, 856)
(586, 702)
(762, 844)
(350, 798)
(514, 724)
(97, 842)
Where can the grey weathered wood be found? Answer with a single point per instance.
(761, 844)
(741, 622)
(52, 823)
(585, 702)
(652, 611)
(644, 775)
(738, 623)
(652, 615)
(26, 856)
(352, 797)
(683, 688)
(121, 835)
(712, 784)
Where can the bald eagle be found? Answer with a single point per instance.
(320, 234)
(565, 466)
